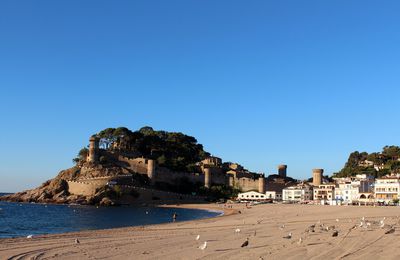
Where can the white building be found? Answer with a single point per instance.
(347, 192)
(298, 193)
(252, 196)
(273, 195)
(387, 189)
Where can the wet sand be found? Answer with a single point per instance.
(262, 224)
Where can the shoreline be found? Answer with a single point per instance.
(260, 223)
(209, 207)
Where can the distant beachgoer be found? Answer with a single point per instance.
(174, 216)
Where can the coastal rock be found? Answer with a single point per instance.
(106, 202)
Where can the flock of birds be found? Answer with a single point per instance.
(319, 226)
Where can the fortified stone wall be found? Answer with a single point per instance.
(82, 188)
(163, 174)
(138, 165)
(247, 184)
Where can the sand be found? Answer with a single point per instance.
(262, 224)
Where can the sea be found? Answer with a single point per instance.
(23, 219)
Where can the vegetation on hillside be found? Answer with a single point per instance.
(173, 150)
(383, 163)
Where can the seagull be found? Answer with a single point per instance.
(390, 231)
(289, 236)
(203, 246)
(198, 237)
(237, 230)
(245, 243)
(29, 236)
(311, 229)
(282, 227)
(77, 241)
(300, 241)
(335, 233)
(382, 223)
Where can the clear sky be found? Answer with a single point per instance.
(256, 82)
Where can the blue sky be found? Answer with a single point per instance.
(257, 82)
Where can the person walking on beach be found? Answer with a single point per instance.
(174, 217)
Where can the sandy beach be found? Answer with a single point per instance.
(262, 224)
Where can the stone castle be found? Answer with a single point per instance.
(213, 172)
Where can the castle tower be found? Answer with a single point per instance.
(151, 170)
(317, 176)
(261, 184)
(231, 181)
(207, 177)
(282, 170)
(93, 149)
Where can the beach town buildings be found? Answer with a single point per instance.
(387, 189)
(299, 193)
(252, 196)
(347, 192)
(324, 193)
(273, 195)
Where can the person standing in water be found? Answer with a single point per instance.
(174, 217)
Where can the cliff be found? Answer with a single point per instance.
(56, 190)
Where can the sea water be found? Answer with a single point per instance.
(22, 219)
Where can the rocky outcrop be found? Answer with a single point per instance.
(56, 190)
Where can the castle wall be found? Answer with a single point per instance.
(82, 188)
(247, 184)
(138, 165)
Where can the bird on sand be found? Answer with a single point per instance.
(282, 227)
(29, 236)
(198, 237)
(335, 233)
(390, 231)
(382, 223)
(300, 241)
(77, 241)
(245, 243)
(203, 246)
(289, 236)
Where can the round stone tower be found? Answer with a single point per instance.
(282, 170)
(93, 155)
(261, 184)
(317, 176)
(151, 170)
(207, 177)
(231, 181)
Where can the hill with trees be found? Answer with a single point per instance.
(376, 164)
(173, 150)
